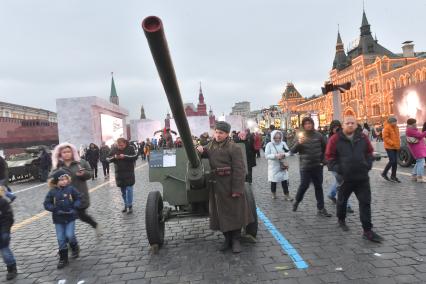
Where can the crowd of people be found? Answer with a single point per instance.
(345, 149)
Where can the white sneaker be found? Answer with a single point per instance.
(421, 179)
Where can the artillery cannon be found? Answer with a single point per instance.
(186, 179)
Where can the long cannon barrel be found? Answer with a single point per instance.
(154, 32)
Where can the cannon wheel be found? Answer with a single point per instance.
(405, 159)
(154, 221)
(251, 229)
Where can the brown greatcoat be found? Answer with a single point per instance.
(227, 213)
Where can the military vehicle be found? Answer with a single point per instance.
(186, 179)
(25, 165)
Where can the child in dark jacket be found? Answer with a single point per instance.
(63, 200)
(6, 222)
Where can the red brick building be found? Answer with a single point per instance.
(200, 110)
(18, 134)
(374, 73)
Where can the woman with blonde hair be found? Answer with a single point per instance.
(65, 156)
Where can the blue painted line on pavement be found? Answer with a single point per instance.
(286, 246)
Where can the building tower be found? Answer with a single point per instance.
(113, 98)
(340, 61)
(201, 107)
(143, 116)
(212, 118)
(367, 44)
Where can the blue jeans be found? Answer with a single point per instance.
(393, 162)
(419, 168)
(334, 187)
(8, 192)
(127, 194)
(65, 233)
(6, 253)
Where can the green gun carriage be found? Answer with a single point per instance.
(185, 177)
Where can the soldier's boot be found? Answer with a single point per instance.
(75, 250)
(11, 272)
(63, 258)
(228, 241)
(236, 245)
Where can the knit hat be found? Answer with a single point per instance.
(57, 175)
(411, 121)
(392, 119)
(306, 119)
(224, 126)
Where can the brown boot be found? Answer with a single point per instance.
(274, 195)
(236, 245)
(421, 179)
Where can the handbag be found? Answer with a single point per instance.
(283, 162)
(412, 140)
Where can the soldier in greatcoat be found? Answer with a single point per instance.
(229, 210)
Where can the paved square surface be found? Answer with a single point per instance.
(190, 253)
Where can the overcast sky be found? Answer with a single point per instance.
(239, 50)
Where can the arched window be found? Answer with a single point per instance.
(407, 79)
(417, 76)
(401, 81)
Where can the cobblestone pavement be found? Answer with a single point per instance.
(190, 253)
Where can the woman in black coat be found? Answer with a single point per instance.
(247, 139)
(92, 156)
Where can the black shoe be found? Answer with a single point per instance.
(385, 177)
(333, 199)
(227, 243)
(130, 211)
(395, 179)
(372, 236)
(349, 210)
(11, 272)
(124, 210)
(63, 258)
(295, 205)
(323, 213)
(343, 226)
(236, 246)
(75, 251)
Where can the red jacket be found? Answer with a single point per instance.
(257, 141)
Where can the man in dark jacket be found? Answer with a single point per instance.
(350, 154)
(92, 156)
(310, 145)
(103, 155)
(45, 165)
(124, 157)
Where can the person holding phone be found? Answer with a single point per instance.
(310, 145)
(65, 156)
